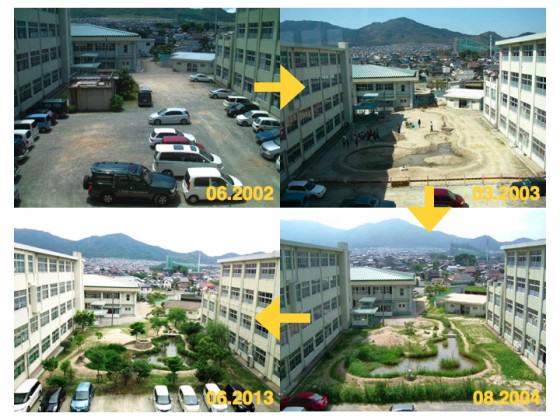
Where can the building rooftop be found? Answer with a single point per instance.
(106, 282)
(464, 298)
(311, 246)
(520, 39)
(29, 248)
(529, 244)
(251, 257)
(371, 71)
(193, 56)
(89, 30)
(465, 93)
(377, 274)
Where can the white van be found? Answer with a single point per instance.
(27, 394)
(232, 100)
(30, 125)
(175, 159)
(24, 135)
(197, 181)
(265, 123)
(215, 408)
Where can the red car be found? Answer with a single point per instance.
(311, 401)
(445, 198)
(188, 139)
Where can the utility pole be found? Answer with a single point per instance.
(112, 309)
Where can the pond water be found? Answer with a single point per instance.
(430, 363)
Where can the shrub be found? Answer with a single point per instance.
(117, 102)
(190, 328)
(449, 364)
(72, 109)
(208, 373)
(56, 381)
(384, 355)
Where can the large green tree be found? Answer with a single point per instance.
(174, 364)
(84, 319)
(137, 328)
(157, 323)
(177, 316)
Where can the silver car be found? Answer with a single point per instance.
(219, 93)
(170, 116)
(270, 149)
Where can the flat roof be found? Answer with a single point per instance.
(193, 56)
(89, 30)
(520, 39)
(296, 244)
(461, 93)
(464, 298)
(30, 248)
(106, 282)
(251, 257)
(529, 244)
(372, 71)
(378, 274)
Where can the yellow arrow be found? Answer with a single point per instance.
(271, 318)
(289, 87)
(429, 215)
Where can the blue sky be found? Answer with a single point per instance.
(506, 22)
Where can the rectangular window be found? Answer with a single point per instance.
(248, 296)
(21, 29)
(526, 81)
(541, 85)
(267, 30)
(226, 270)
(45, 344)
(259, 356)
(264, 299)
(305, 289)
(308, 347)
(246, 321)
(267, 270)
(300, 59)
(260, 330)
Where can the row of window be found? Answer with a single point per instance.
(305, 289)
(302, 59)
(534, 258)
(525, 50)
(35, 58)
(305, 115)
(526, 81)
(25, 30)
(303, 259)
(23, 297)
(44, 264)
(252, 29)
(267, 270)
(35, 352)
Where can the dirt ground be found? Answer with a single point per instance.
(390, 336)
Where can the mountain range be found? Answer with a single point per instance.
(394, 233)
(115, 245)
(399, 31)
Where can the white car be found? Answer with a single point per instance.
(175, 159)
(157, 135)
(213, 389)
(311, 189)
(26, 136)
(162, 399)
(30, 125)
(170, 116)
(231, 100)
(219, 93)
(265, 123)
(188, 399)
(27, 394)
(200, 77)
(197, 180)
(245, 120)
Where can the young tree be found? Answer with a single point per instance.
(142, 369)
(79, 340)
(84, 319)
(96, 358)
(50, 364)
(189, 328)
(174, 364)
(98, 335)
(137, 328)
(157, 311)
(218, 333)
(157, 323)
(126, 85)
(208, 373)
(177, 315)
(126, 372)
(68, 370)
(207, 349)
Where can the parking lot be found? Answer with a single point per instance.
(52, 174)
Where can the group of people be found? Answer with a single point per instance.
(359, 136)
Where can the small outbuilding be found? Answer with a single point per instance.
(193, 62)
(464, 304)
(464, 98)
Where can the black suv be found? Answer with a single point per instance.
(237, 109)
(229, 390)
(113, 180)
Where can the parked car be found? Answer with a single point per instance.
(187, 139)
(17, 197)
(188, 399)
(445, 198)
(246, 119)
(532, 182)
(233, 99)
(117, 180)
(403, 407)
(200, 77)
(58, 106)
(16, 169)
(20, 149)
(44, 121)
(30, 125)
(175, 159)
(162, 399)
(170, 116)
(158, 133)
(263, 136)
(293, 199)
(310, 188)
(51, 116)
(271, 149)
(237, 109)
(311, 401)
(145, 96)
(265, 123)
(52, 400)
(197, 181)
(235, 392)
(367, 201)
(219, 93)
(82, 398)
(27, 394)
(294, 408)
(278, 163)
(213, 388)
(24, 135)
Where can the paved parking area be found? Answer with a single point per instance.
(52, 175)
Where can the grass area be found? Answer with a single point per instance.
(478, 290)
(449, 364)
(235, 372)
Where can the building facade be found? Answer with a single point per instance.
(247, 285)
(48, 289)
(110, 297)
(464, 304)
(322, 108)
(520, 105)
(96, 47)
(516, 304)
(193, 62)
(250, 54)
(316, 280)
(387, 88)
(42, 55)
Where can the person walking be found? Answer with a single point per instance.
(431, 127)
(419, 123)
